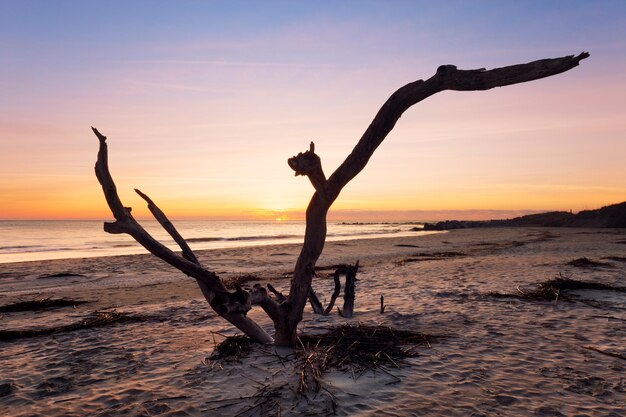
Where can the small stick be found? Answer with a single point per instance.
(615, 355)
(180, 397)
(382, 368)
(382, 304)
(608, 318)
(279, 296)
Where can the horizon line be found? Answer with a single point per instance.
(339, 215)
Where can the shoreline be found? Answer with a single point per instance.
(204, 253)
(90, 242)
(270, 263)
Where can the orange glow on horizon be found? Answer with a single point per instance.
(202, 117)
(443, 208)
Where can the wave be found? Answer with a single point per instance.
(58, 240)
(378, 223)
(20, 247)
(28, 248)
(362, 233)
(240, 238)
(293, 236)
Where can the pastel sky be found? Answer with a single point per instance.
(204, 101)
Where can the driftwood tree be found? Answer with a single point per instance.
(286, 311)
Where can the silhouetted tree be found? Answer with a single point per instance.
(286, 311)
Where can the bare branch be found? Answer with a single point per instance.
(169, 227)
(287, 313)
(104, 176)
(231, 306)
(309, 164)
(315, 302)
(448, 77)
(348, 291)
(481, 79)
(333, 298)
(279, 295)
(127, 224)
(260, 297)
(238, 302)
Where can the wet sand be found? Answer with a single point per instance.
(500, 356)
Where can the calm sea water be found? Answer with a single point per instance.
(39, 240)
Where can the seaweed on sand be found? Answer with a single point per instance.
(556, 289)
(351, 348)
(587, 263)
(95, 320)
(265, 402)
(615, 258)
(231, 348)
(240, 280)
(432, 256)
(331, 267)
(40, 304)
(357, 349)
(8, 388)
(61, 275)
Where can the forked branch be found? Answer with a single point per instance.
(447, 77)
(169, 228)
(286, 312)
(309, 164)
(231, 306)
(336, 291)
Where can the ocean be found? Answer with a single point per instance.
(61, 239)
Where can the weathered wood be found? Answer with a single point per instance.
(349, 290)
(279, 295)
(447, 77)
(309, 164)
(231, 306)
(259, 296)
(169, 228)
(287, 313)
(336, 291)
(315, 302)
(382, 304)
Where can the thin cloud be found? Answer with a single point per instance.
(221, 63)
(557, 187)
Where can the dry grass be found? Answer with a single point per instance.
(40, 304)
(432, 256)
(350, 348)
(61, 275)
(355, 349)
(96, 319)
(556, 289)
(587, 263)
(615, 258)
(231, 348)
(240, 280)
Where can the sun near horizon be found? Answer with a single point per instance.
(203, 105)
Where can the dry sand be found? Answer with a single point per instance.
(501, 356)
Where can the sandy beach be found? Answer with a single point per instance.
(498, 356)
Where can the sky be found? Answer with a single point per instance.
(203, 102)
